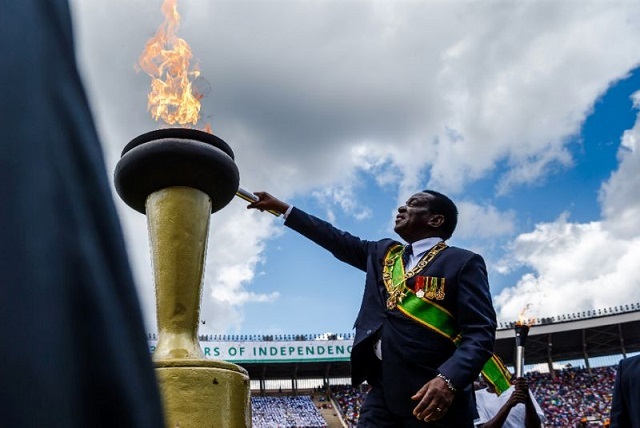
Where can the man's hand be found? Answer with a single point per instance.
(521, 392)
(518, 396)
(266, 202)
(434, 398)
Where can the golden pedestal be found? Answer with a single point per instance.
(196, 392)
(205, 393)
(178, 177)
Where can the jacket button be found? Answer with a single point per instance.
(368, 331)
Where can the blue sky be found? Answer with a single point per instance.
(524, 114)
(327, 296)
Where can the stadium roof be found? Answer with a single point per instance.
(569, 337)
(575, 338)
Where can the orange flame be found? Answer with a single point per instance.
(167, 60)
(522, 319)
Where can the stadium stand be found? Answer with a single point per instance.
(348, 400)
(285, 412)
(581, 397)
(573, 398)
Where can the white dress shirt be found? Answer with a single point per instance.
(419, 248)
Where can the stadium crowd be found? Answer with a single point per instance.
(348, 399)
(573, 397)
(285, 412)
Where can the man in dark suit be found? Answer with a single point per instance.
(625, 407)
(74, 352)
(426, 325)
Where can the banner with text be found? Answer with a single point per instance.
(277, 352)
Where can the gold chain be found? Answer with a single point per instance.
(397, 290)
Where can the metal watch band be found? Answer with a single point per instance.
(448, 382)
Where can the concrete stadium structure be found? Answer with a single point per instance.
(292, 359)
(576, 336)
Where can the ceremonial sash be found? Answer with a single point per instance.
(431, 315)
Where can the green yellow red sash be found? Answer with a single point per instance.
(430, 314)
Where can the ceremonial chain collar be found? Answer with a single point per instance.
(396, 289)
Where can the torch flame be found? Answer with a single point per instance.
(524, 320)
(167, 60)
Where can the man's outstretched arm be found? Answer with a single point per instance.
(267, 202)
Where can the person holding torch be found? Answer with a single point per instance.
(515, 408)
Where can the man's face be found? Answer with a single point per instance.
(415, 220)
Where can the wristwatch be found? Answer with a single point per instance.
(448, 382)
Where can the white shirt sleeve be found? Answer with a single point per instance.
(537, 406)
(486, 404)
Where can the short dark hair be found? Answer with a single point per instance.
(441, 204)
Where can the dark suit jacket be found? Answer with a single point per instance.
(74, 351)
(413, 354)
(625, 407)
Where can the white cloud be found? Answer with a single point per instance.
(522, 81)
(346, 197)
(483, 221)
(619, 196)
(580, 266)
(235, 252)
(310, 94)
(535, 168)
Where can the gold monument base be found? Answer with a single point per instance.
(178, 177)
(204, 394)
(196, 392)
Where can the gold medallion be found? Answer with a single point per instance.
(397, 287)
